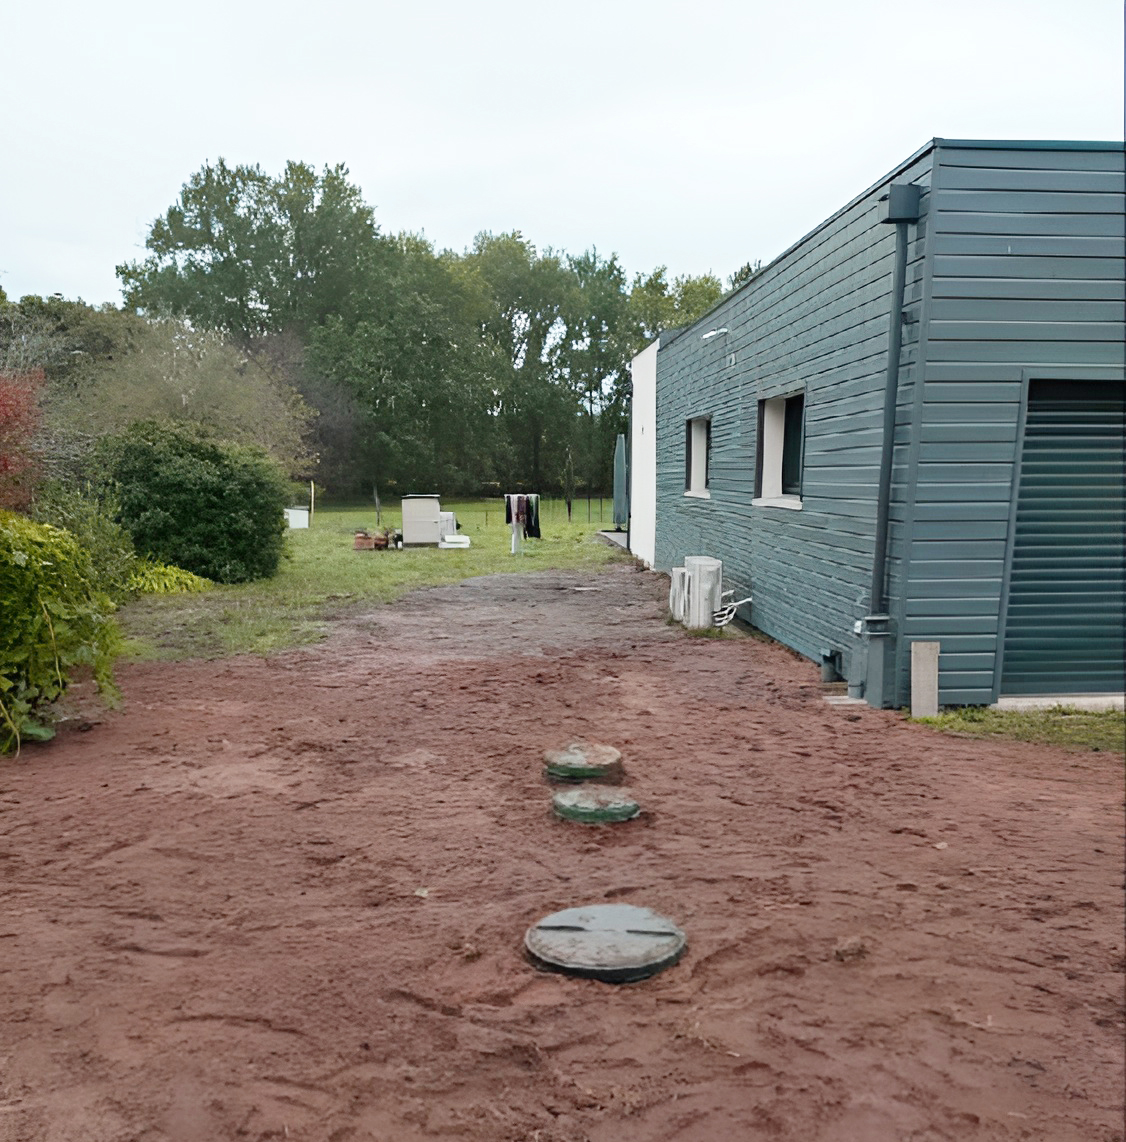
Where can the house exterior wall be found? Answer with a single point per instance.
(817, 320)
(643, 456)
(1015, 272)
(1025, 282)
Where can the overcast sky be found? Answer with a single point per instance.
(697, 136)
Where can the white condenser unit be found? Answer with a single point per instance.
(704, 582)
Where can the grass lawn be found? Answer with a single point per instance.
(1060, 725)
(322, 578)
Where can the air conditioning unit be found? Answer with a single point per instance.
(678, 594)
(704, 577)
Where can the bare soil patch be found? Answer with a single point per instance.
(286, 897)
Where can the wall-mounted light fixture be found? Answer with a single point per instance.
(712, 333)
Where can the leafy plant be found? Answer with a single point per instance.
(150, 577)
(112, 558)
(53, 620)
(213, 508)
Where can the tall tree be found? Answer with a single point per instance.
(522, 299)
(657, 305)
(595, 356)
(413, 367)
(248, 254)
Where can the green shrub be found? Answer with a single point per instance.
(52, 620)
(152, 578)
(112, 558)
(198, 503)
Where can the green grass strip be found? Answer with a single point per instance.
(322, 579)
(1100, 730)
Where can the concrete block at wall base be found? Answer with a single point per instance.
(924, 679)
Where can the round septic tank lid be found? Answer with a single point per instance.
(580, 760)
(593, 805)
(618, 943)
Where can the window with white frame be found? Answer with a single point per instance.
(781, 446)
(697, 450)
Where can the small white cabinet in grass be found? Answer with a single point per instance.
(421, 520)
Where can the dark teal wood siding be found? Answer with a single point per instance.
(1015, 272)
(1026, 283)
(816, 320)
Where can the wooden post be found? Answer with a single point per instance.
(924, 679)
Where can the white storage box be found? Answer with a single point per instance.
(297, 517)
(421, 520)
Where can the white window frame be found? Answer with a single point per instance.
(696, 463)
(772, 438)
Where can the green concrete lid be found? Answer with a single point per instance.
(592, 805)
(579, 761)
(617, 943)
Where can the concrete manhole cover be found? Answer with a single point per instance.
(582, 761)
(594, 806)
(618, 943)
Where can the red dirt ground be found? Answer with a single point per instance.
(286, 898)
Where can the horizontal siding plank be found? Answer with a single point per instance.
(1027, 245)
(1031, 178)
(1041, 330)
(951, 284)
(1033, 266)
(1039, 202)
(1030, 352)
(1025, 309)
(1012, 222)
(1002, 159)
(962, 501)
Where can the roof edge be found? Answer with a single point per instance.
(933, 144)
(1031, 144)
(897, 169)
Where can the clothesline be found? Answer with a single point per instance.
(522, 511)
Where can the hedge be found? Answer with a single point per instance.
(213, 508)
(53, 620)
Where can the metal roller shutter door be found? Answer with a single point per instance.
(1064, 632)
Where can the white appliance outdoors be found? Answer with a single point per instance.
(704, 582)
(297, 517)
(422, 520)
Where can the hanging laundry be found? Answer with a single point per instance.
(522, 512)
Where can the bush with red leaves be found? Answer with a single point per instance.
(19, 421)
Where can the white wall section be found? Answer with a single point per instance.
(643, 456)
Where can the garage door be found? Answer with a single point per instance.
(1064, 633)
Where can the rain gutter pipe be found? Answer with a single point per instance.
(901, 207)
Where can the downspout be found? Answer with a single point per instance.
(629, 468)
(901, 207)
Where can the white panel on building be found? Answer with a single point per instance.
(643, 456)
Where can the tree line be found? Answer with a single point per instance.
(274, 311)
